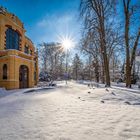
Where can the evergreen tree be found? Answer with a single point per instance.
(77, 67)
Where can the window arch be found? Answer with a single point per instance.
(4, 71)
(12, 39)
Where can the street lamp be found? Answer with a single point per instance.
(67, 43)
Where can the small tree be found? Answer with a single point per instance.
(77, 67)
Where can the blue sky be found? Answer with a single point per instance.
(45, 20)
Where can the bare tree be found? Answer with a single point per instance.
(90, 46)
(98, 25)
(131, 11)
(51, 57)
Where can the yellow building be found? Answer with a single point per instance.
(18, 59)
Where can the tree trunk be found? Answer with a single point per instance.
(128, 74)
(127, 24)
(104, 53)
(96, 71)
(107, 75)
(103, 74)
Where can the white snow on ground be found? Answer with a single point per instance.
(3, 92)
(72, 112)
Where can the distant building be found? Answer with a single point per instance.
(18, 59)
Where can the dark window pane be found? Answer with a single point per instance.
(35, 76)
(31, 52)
(4, 71)
(12, 39)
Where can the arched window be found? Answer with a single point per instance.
(4, 71)
(12, 39)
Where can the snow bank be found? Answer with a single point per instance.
(3, 92)
(121, 97)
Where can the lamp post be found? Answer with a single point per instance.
(66, 65)
(67, 44)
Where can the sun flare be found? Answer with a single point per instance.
(67, 42)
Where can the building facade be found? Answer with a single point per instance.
(18, 59)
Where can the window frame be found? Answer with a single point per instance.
(12, 39)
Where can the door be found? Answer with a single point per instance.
(23, 76)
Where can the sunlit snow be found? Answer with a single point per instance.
(72, 112)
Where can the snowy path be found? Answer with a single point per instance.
(67, 113)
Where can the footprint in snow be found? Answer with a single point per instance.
(113, 93)
(127, 102)
(107, 90)
(80, 99)
(102, 101)
(136, 104)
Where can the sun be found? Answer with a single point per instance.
(67, 42)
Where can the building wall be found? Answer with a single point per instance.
(15, 58)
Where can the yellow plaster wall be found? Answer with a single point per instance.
(15, 58)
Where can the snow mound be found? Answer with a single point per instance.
(3, 92)
(121, 97)
(32, 90)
